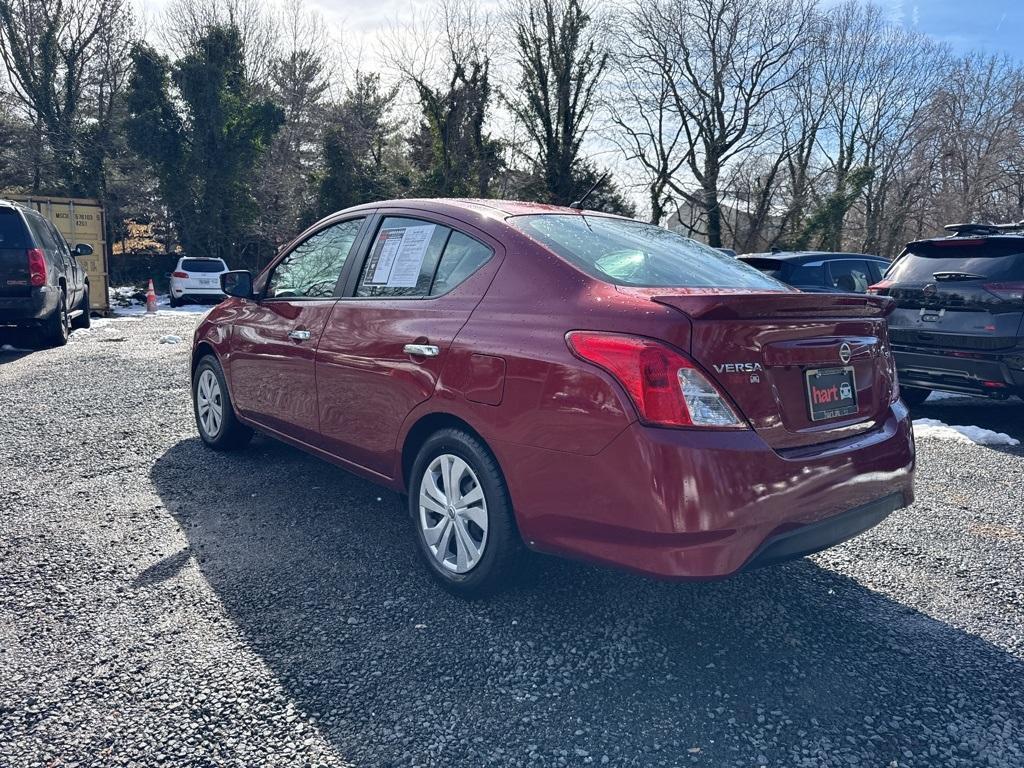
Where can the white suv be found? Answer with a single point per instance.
(196, 278)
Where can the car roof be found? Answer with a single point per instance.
(503, 208)
(797, 256)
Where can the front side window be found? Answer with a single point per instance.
(627, 252)
(312, 269)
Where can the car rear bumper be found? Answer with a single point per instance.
(28, 309)
(985, 373)
(687, 504)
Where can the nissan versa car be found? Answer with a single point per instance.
(564, 381)
(959, 318)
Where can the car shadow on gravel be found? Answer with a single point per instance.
(318, 571)
(998, 415)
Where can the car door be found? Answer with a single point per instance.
(72, 269)
(274, 338)
(849, 275)
(385, 343)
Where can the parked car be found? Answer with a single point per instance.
(42, 285)
(821, 271)
(196, 279)
(959, 318)
(573, 382)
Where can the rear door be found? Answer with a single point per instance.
(203, 274)
(849, 275)
(274, 339)
(14, 245)
(963, 293)
(386, 342)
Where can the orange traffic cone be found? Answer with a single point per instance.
(150, 299)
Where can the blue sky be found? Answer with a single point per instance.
(988, 25)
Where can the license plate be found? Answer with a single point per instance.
(208, 281)
(831, 392)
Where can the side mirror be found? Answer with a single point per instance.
(83, 249)
(237, 283)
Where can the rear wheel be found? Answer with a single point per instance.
(83, 320)
(56, 327)
(913, 396)
(174, 302)
(215, 417)
(462, 515)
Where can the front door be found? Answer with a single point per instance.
(274, 338)
(384, 346)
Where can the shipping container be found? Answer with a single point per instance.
(80, 220)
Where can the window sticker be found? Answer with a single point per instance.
(399, 256)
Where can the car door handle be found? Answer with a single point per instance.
(422, 350)
(299, 335)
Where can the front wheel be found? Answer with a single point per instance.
(462, 515)
(215, 416)
(913, 396)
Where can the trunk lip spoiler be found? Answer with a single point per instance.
(779, 305)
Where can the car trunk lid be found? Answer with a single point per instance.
(761, 347)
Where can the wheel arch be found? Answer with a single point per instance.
(426, 426)
(204, 348)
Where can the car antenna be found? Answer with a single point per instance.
(578, 204)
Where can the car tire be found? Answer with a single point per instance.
(914, 396)
(84, 320)
(215, 416)
(56, 327)
(174, 302)
(446, 542)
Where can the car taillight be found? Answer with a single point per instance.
(881, 288)
(179, 274)
(1006, 291)
(664, 385)
(36, 267)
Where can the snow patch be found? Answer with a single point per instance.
(936, 396)
(12, 348)
(170, 338)
(974, 435)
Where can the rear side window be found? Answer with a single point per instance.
(991, 259)
(771, 267)
(203, 265)
(12, 230)
(627, 252)
(42, 234)
(403, 258)
(461, 258)
(810, 275)
(850, 275)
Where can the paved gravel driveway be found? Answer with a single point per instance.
(164, 605)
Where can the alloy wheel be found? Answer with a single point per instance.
(453, 513)
(209, 403)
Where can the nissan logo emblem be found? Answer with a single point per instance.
(845, 353)
(930, 290)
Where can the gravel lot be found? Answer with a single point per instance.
(163, 605)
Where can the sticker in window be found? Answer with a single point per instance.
(400, 254)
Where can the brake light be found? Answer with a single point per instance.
(958, 242)
(36, 267)
(1006, 291)
(179, 274)
(878, 288)
(665, 386)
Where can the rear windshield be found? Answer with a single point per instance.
(203, 265)
(993, 260)
(770, 267)
(12, 230)
(627, 252)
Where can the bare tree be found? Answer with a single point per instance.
(726, 62)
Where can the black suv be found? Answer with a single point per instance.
(959, 310)
(42, 285)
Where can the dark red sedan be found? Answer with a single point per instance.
(572, 382)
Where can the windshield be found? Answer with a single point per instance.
(203, 265)
(627, 252)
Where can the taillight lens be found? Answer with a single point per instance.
(36, 267)
(179, 274)
(881, 288)
(665, 386)
(1013, 291)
